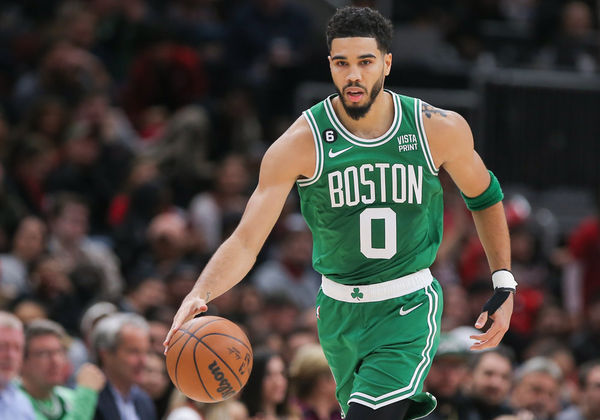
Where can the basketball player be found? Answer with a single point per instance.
(365, 161)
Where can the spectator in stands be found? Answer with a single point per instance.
(582, 269)
(13, 403)
(290, 273)
(586, 342)
(575, 46)
(156, 382)
(29, 242)
(268, 40)
(169, 243)
(312, 385)
(228, 196)
(93, 167)
(536, 388)
(182, 152)
(144, 295)
(589, 404)
(489, 384)
(45, 371)
(68, 223)
(66, 71)
(265, 394)
(446, 376)
(120, 343)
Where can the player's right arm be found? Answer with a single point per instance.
(292, 156)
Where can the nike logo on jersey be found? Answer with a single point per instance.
(333, 154)
(406, 312)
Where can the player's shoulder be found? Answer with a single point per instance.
(448, 133)
(438, 119)
(297, 137)
(294, 150)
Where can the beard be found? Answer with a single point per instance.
(357, 112)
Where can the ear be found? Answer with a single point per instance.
(387, 60)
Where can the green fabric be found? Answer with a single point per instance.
(492, 195)
(378, 356)
(374, 206)
(75, 404)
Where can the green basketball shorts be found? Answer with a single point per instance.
(380, 340)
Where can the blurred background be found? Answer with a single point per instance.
(131, 134)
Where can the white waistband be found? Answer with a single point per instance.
(377, 292)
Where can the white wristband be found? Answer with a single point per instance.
(503, 278)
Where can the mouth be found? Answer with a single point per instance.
(354, 94)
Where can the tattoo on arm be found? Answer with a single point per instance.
(207, 297)
(429, 110)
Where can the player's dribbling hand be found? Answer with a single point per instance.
(190, 307)
(500, 323)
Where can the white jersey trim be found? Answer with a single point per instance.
(359, 141)
(423, 137)
(426, 359)
(318, 151)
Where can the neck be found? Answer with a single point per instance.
(375, 122)
(37, 391)
(269, 410)
(124, 387)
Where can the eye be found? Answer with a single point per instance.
(340, 63)
(365, 62)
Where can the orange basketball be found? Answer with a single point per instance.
(209, 359)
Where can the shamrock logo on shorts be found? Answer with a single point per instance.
(356, 294)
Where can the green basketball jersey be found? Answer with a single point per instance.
(374, 206)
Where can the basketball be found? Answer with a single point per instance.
(209, 359)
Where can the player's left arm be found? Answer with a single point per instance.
(451, 143)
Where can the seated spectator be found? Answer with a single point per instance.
(536, 388)
(45, 371)
(265, 394)
(575, 47)
(228, 196)
(489, 384)
(290, 273)
(144, 295)
(586, 342)
(28, 245)
(156, 382)
(120, 342)
(448, 372)
(13, 403)
(69, 242)
(169, 245)
(312, 385)
(589, 404)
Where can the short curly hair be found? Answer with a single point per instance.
(350, 21)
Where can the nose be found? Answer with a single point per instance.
(353, 75)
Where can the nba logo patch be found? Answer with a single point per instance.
(318, 309)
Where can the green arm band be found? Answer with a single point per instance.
(492, 195)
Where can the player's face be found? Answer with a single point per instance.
(358, 69)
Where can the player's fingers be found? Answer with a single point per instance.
(492, 341)
(492, 331)
(481, 320)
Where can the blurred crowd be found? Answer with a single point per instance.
(130, 138)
